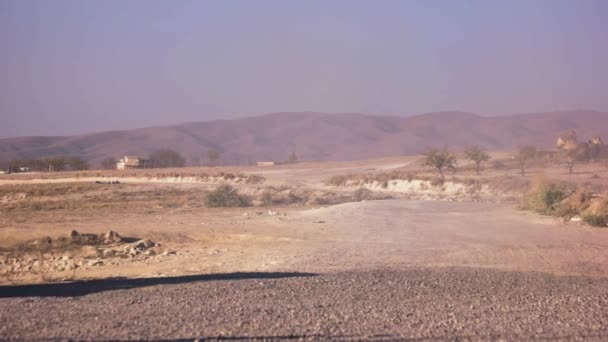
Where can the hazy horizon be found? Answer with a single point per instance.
(236, 117)
(72, 67)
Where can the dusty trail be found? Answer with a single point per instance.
(442, 233)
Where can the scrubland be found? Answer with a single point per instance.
(221, 212)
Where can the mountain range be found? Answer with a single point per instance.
(316, 136)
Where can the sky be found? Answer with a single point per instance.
(71, 67)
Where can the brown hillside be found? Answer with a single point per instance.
(317, 136)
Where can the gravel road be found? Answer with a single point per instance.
(387, 304)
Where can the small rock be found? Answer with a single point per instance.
(96, 262)
(143, 244)
(576, 219)
(108, 253)
(111, 237)
(89, 251)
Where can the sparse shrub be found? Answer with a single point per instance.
(338, 180)
(574, 204)
(362, 194)
(267, 199)
(254, 179)
(36, 205)
(226, 196)
(543, 197)
(436, 181)
(229, 176)
(293, 198)
(596, 220)
(410, 176)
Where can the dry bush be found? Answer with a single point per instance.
(254, 179)
(362, 194)
(339, 180)
(282, 195)
(436, 181)
(226, 196)
(596, 220)
(382, 178)
(574, 204)
(544, 196)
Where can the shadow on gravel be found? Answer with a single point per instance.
(313, 337)
(81, 288)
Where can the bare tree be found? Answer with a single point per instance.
(166, 158)
(581, 154)
(478, 156)
(524, 156)
(108, 163)
(76, 163)
(440, 160)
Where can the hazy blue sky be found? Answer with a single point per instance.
(81, 66)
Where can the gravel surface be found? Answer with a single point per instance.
(385, 304)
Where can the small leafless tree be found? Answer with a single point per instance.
(108, 163)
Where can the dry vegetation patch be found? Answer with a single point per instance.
(566, 200)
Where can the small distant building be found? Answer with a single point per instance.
(130, 162)
(266, 163)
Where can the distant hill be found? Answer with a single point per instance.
(317, 136)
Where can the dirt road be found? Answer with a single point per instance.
(442, 233)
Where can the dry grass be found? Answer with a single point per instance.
(566, 200)
(198, 173)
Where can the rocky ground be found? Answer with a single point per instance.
(383, 305)
(76, 252)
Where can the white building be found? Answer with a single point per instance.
(128, 162)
